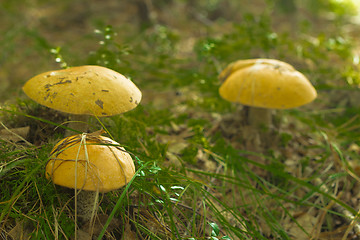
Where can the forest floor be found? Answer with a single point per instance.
(204, 172)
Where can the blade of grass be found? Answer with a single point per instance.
(118, 203)
(14, 197)
(39, 119)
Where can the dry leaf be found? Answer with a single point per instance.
(99, 224)
(205, 163)
(83, 235)
(306, 221)
(128, 234)
(354, 148)
(21, 231)
(14, 134)
(173, 160)
(177, 147)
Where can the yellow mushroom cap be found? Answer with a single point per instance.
(93, 160)
(86, 90)
(265, 83)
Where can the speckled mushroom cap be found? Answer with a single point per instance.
(86, 90)
(265, 83)
(93, 161)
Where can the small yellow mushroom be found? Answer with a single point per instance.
(265, 83)
(90, 164)
(97, 163)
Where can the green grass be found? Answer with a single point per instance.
(192, 180)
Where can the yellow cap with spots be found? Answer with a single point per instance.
(86, 90)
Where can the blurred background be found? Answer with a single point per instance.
(39, 35)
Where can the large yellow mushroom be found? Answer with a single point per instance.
(82, 91)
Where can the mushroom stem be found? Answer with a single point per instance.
(259, 127)
(77, 122)
(259, 117)
(86, 205)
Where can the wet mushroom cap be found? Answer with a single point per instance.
(265, 83)
(85, 90)
(99, 164)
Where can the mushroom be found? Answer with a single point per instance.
(90, 164)
(83, 91)
(262, 85)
